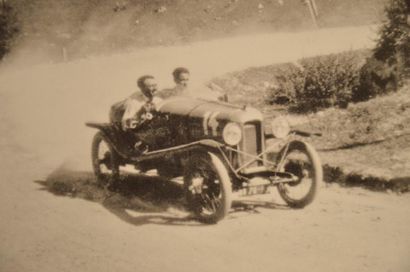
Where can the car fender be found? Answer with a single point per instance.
(110, 133)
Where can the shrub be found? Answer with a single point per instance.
(289, 79)
(329, 81)
(319, 82)
(376, 78)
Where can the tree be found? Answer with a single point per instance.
(8, 28)
(393, 46)
(389, 64)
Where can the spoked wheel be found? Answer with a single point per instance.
(208, 188)
(105, 160)
(301, 160)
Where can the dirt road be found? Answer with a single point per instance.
(43, 143)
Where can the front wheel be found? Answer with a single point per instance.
(301, 160)
(104, 160)
(208, 187)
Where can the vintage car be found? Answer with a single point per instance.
(217, 148)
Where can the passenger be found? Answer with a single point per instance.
(181, 76)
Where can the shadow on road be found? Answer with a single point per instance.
(140, 200)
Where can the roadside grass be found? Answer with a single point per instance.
(367, 143)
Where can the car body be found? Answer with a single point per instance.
(218, 148)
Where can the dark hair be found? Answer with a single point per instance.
(178, 71)
(140, 81)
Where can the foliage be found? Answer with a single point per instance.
(338, 79)
(393, 46)
(319, 82)
(376, 78)
(8, 28)
(335, 80)
(389, 65)
(290, 79)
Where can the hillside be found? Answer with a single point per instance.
(87, 27)
(365, 143)
(368, 138)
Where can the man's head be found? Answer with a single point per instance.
(148, 85)
(181, 76)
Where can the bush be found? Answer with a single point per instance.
(319, 82)
(8, 28)
(376, 78)
(329, 81)
(289, 79)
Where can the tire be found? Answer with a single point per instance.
(302, 160)
(104, 160)
(208, 187)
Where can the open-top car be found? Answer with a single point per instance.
(217, 148)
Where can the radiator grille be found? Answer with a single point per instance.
(250, 143)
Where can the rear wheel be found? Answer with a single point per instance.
(208, 187)
(301, 160)
(104, 160)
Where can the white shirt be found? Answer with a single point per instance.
(133, 104)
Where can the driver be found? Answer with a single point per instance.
(136, 109)
(140, 104)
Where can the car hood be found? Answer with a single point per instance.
(199, 108)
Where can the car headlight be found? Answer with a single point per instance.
(280, 127)
(232, 134)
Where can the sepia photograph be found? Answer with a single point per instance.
(204, 135)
